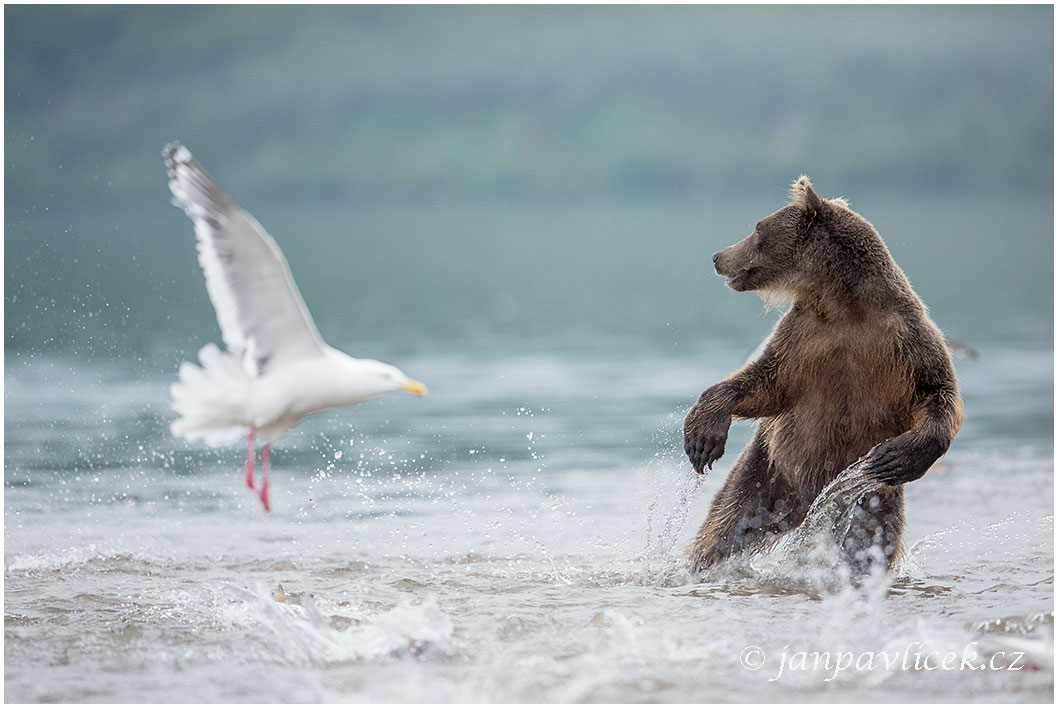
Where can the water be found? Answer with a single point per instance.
(516, 536)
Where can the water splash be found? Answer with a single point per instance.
(675, 488)
(313, 630)
(810, 556)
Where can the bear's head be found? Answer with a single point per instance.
(809, 246)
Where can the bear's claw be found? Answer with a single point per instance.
(704, 437)
(903, 459)
(704, 450)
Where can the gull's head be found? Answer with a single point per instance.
(385, 378)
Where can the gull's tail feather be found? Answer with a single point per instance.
(211, 398)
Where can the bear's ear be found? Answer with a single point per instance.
(803, 196)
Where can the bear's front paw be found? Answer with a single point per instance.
(903, 459)
(704, 438)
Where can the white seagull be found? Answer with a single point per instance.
(277, 369)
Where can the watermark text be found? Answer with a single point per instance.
(913, 657)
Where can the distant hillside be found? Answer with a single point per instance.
(511, 102)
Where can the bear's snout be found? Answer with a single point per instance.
(728, 261)
(737, 265)
(719, 262)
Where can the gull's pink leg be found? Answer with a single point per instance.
(249, 457)
(266, 453)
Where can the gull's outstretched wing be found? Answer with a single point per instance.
(262, 317)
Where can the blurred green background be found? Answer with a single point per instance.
(544, 176)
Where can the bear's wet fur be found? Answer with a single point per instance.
(855, 362)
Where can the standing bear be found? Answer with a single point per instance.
(855, 362)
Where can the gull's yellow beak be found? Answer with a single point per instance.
(414, 387)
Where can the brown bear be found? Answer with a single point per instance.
(855, 362)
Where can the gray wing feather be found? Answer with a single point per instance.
(262, 316)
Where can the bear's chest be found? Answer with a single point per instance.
(847, 387)
(854, 362)
(868, 370)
